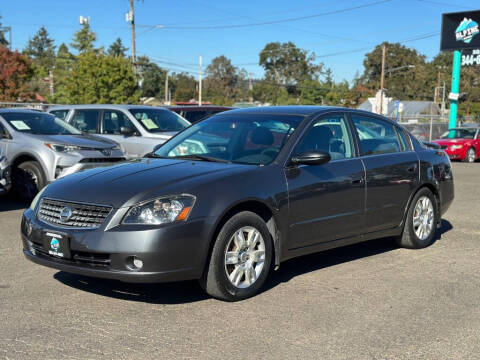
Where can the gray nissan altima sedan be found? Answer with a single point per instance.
(229, 198)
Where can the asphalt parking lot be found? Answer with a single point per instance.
(367, 301)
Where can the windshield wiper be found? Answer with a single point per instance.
(201, 158)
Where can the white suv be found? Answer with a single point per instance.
(138, 129)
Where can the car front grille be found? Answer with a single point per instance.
(78, 257)
(82, 215)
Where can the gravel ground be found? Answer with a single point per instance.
(366, 301)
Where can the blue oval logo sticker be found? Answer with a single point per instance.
(55, 244)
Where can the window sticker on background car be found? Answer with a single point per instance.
(149, 124)
(20, 125)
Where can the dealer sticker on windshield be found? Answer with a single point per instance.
(20, 125)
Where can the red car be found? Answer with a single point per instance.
(461, 143)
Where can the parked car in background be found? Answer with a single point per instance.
(462, 143)
(138, 129)
(233, 196)
(196, 113)
(42, 148)
(4, 173)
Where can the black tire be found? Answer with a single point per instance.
(408, 238)
(469, 158)
(27, 180)
(215, 280)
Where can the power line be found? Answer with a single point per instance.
(444, 4)
(271, 22)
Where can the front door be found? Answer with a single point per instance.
(326, 202)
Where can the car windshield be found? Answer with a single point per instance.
(244, 139)
(39, 124)
(156, 121)
(459, 133)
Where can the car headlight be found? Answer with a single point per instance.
(62, 148)
(34, 203)
(455, 147)
(163, 210)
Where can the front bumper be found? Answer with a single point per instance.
(169, 253)
(5, 182)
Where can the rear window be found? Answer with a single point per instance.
(157, 121)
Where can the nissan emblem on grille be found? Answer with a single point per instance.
(65, 214)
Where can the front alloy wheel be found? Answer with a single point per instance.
(423, 217)
(471, 156)
(245, 257)
(241, 258)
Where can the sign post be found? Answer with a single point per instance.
(459, 31)
(457, 55)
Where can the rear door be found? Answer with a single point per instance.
(326, 202)
(392, 170)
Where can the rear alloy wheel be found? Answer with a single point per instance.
(421, 221)
(471, 156)
(240, 260)
(28, 180)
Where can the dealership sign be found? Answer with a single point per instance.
(471, 57)
(460, 30)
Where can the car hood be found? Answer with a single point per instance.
(162, 135)
(139, 180)
(87, 141)
(451, 141)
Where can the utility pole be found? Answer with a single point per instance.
(250, 88)
(200, 81)
(131, 18)
(437, 97)
(382, 79)
(166, 88)
(50, 81)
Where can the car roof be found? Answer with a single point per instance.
(104, 106)
(199, 107)
(21, 110)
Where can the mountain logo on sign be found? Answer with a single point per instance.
(466, 30)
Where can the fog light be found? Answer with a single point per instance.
(137, 263)
(134, 263)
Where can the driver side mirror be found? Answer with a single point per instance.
(312, 158)
(3, 133)
(127, 131)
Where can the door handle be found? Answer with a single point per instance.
(357, 181)
(412, 168)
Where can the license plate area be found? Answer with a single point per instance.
(57, 244)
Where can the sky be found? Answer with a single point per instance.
(176, 33)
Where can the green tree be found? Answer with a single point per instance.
(16, 71)
(153, 77)
(183, 87)
(41, 48)
(270, 93)
(64, 62)
(223, 82)
(286, 64)
(100, 78)
(117, 48)
(405, 74)
(84, 39)
(3, 41)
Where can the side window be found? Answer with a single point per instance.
(113, 121)
(376, 136)
(86, 120)
(404, 140)
(61, 114)
(329, 134)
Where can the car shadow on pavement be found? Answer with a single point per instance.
(9, 203)
(190, 291)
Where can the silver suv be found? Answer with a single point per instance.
(4, 173)
(138, 129)
(42, 148)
